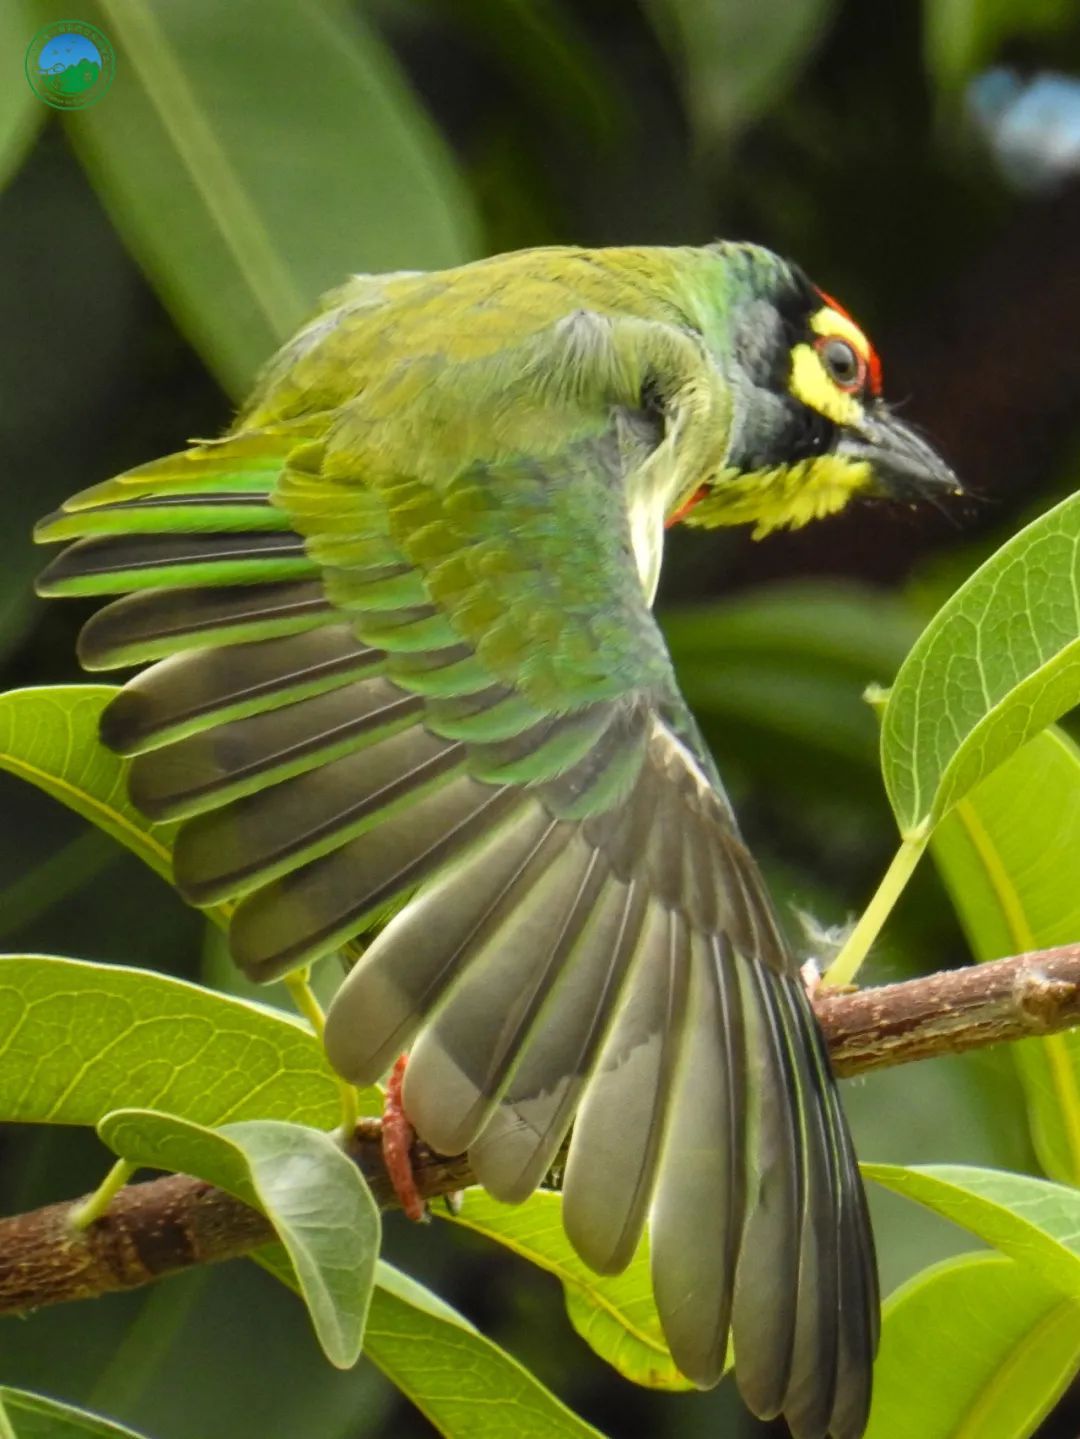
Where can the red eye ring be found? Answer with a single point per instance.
(843, 363)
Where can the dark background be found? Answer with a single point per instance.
(836, 133)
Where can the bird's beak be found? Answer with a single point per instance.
(904, 466)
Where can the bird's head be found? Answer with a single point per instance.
(810, 427)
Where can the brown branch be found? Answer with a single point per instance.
(165, 1225)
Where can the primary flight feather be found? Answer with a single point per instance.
(406, 690)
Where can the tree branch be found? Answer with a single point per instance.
(165, 1225)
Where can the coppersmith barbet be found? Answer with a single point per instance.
(405, 682)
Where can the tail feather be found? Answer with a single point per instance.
(702, 1183)
(410, 965)
(811, 1388)
(521, 1140)
(462, 1060)
(620, 1125)
(768, 1263)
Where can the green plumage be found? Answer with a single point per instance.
(405, 657)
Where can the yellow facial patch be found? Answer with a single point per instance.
(811, 382)
(786, 497)
(814, 386)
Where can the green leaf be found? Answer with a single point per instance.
(308, 1188)
(462, 1382)
(78, 1040)
(32, 1416)
(993, 1344)
(737, 60)
(465, 1384)
(999, 662)
(1033, 1221)
(254, 155)
(615, 1313)
(21, 112)
(49, 736)
(1009, 854)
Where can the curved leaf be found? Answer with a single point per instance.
(33, 1416)
(999, 662)
(308, 1188)
(48, 736)
(467, 1386)
(1009, 853)
(1033, 1221)
(992, 1343)
(21, 112)
(78, 1040)
(615, 1313)
(256, 154)
(463, 1383)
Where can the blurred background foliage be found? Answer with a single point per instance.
(922, 162)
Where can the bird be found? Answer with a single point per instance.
(404, 693)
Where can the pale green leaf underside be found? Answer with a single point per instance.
(312, 1193)
(1010, 856)
(1033, 1221)
(998, 662)
(32, 1416)
(992, 1344)
(615, 1314)
(79, 1039)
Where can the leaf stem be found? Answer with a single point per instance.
(98, 1202)
(303, 996)
(847, 963)
(298, 983)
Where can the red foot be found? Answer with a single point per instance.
(397, 1137)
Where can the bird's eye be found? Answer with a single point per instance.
(843, 363)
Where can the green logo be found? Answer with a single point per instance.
(70, 64)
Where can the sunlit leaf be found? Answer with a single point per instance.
(467, 1386)
(255, 154)
(463, 1383)
(993, 1346)
(308, 1188)
(999, 662)
(78, 1040)
(33, 1416)
(1033, 1221)
(1009, 853)
(614, 1313)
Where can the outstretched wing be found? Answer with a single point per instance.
(440, 696)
